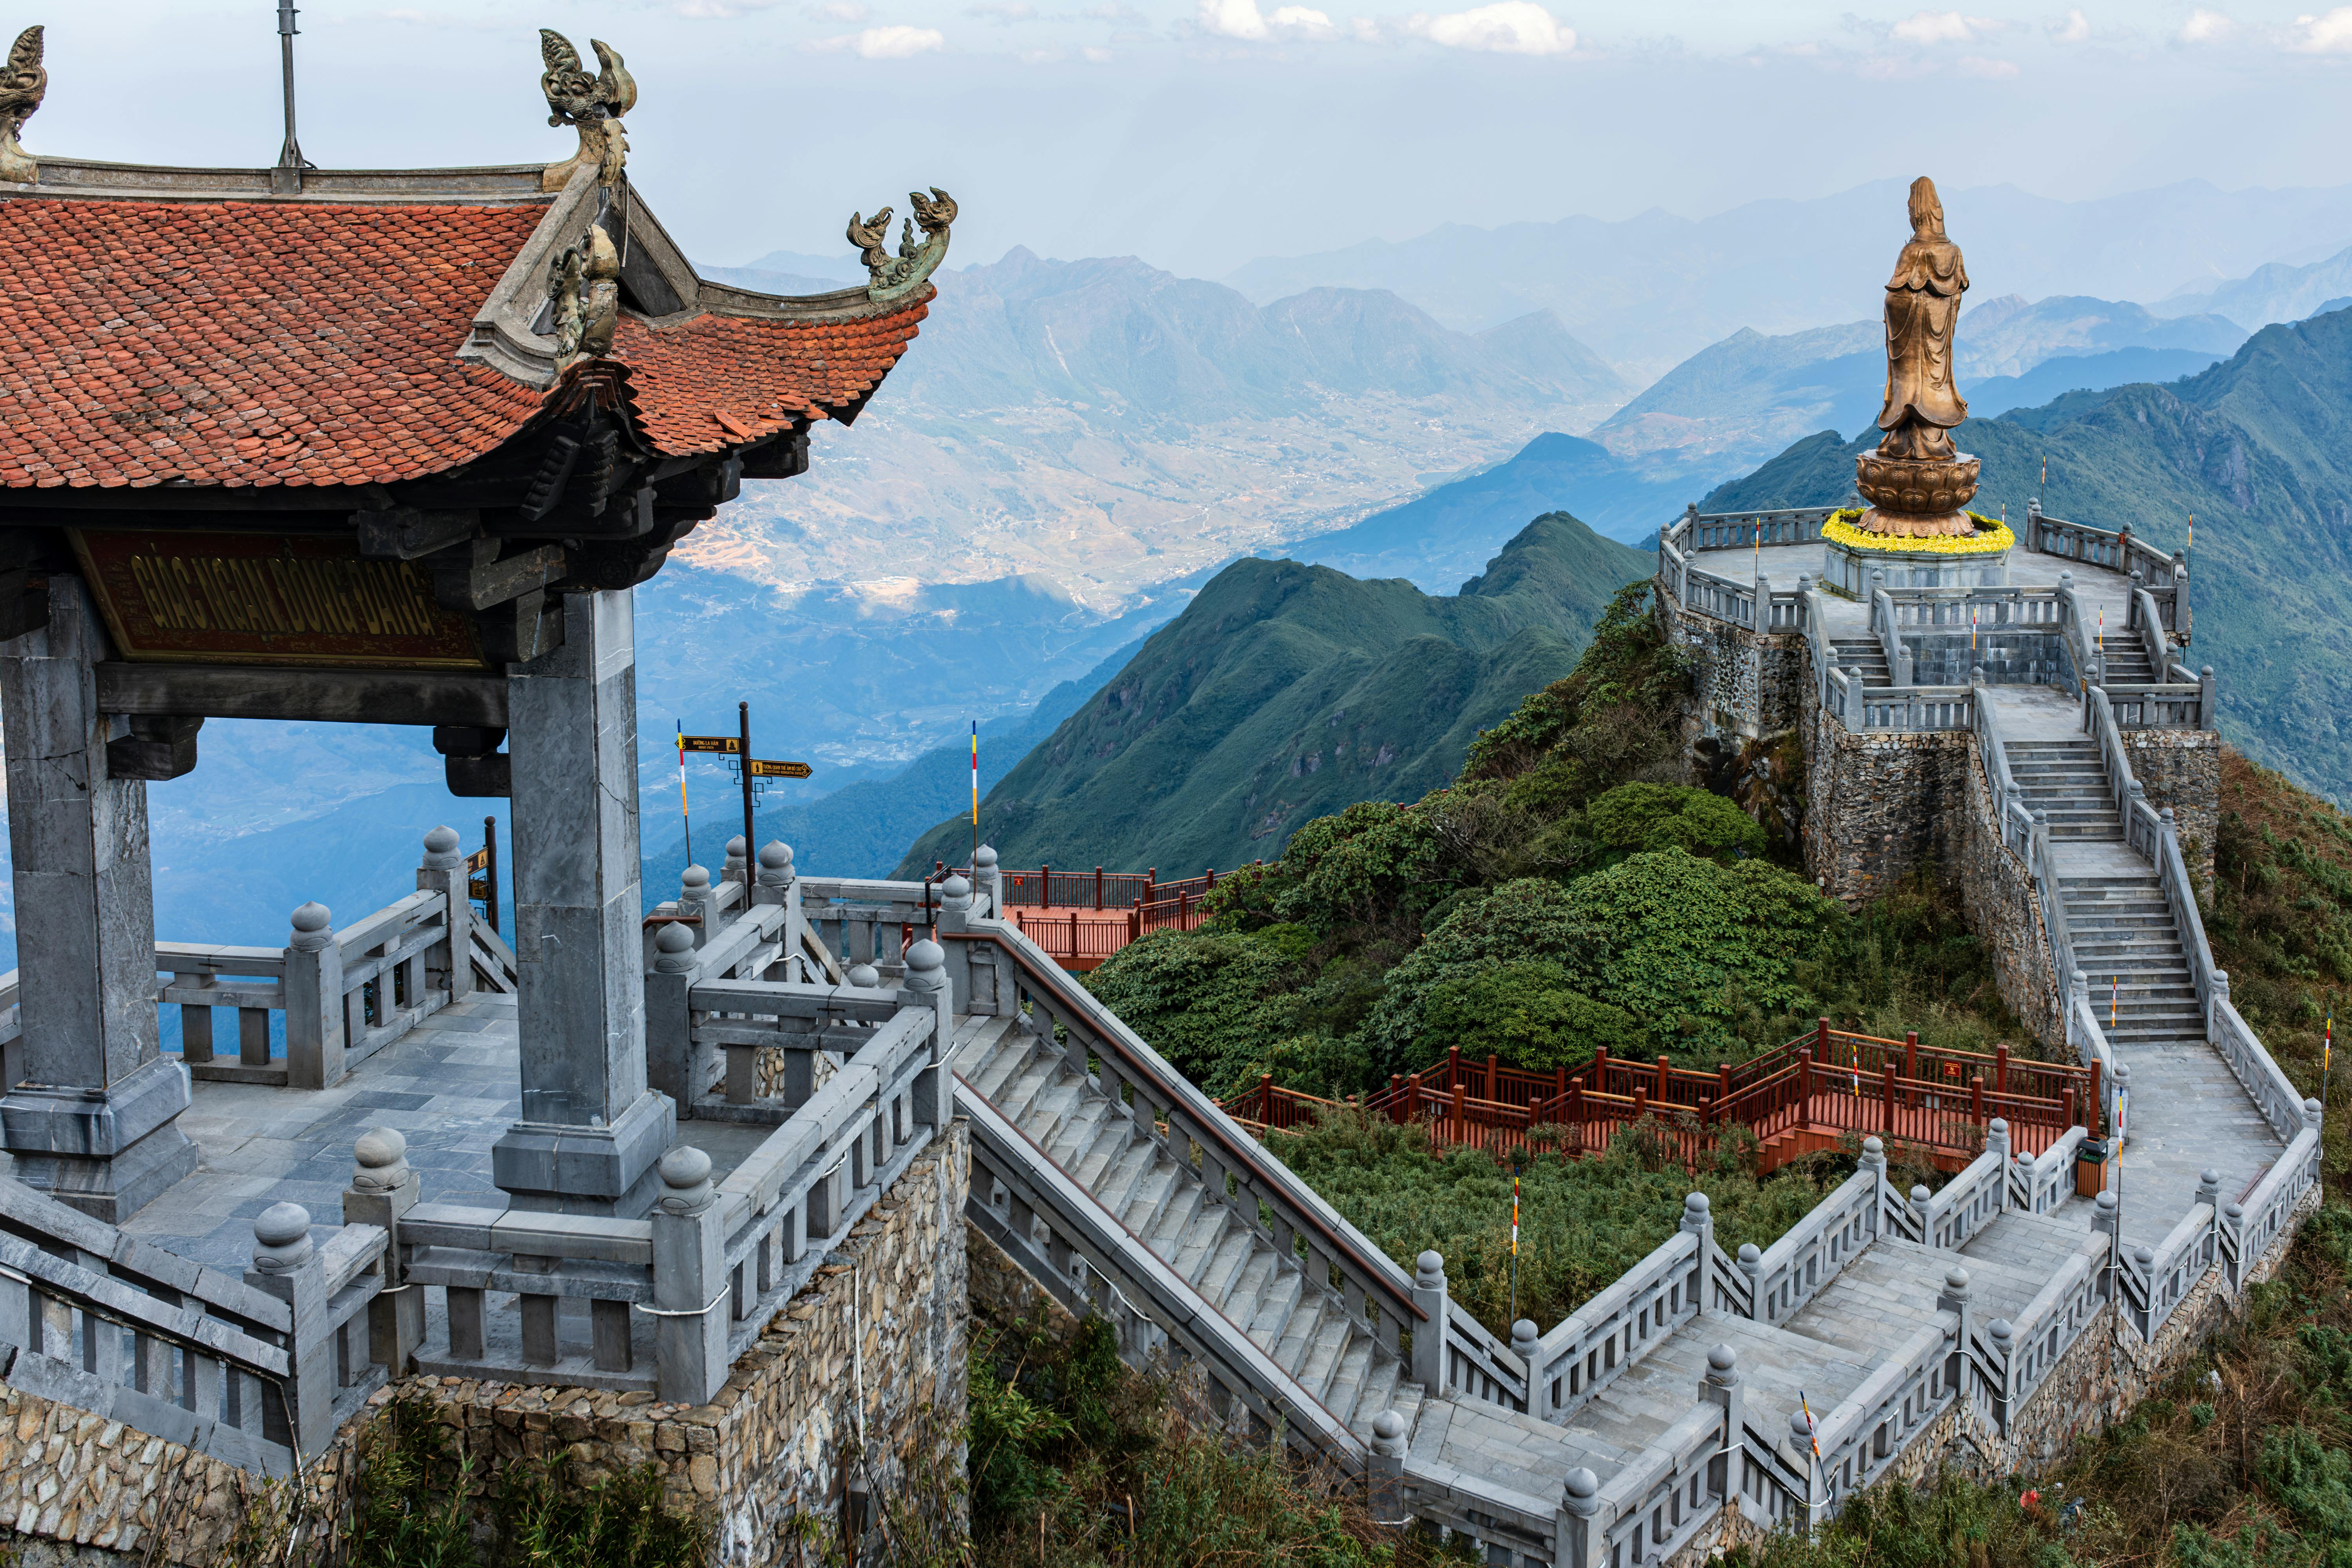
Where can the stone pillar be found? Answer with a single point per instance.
(1720, 1386)
(1583, 1534)
(689, 1280)
(955, 915)
(927, 986)
(1874, 1160)
(444, 872)
(991, 878)
(93, 1124)
(316, 1021)
(1954, 1299)
(1429, 1335)
(591, 1129)
(288, 1267)
(1698, 1220)
(383, 1189)
(1752, 1264)
(1385, 1473)
(669, 1020)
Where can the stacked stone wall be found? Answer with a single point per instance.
(882, 1331)
(1742, 684)
(1881, 804)
(2182, 769)
(1998, 897)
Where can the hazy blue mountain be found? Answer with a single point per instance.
(1440, 538)
(2053, 378)
(1285, 692)
(2258, 450)
(1649, 291)
(2008, 336)
(2273, 292)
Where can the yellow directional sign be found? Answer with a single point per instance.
(762, 768)
(729, 744)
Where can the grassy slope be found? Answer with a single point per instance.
(1284, 693)
(2258, 450)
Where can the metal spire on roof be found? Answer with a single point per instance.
(287, 179)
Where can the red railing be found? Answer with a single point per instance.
(1076, 941)
(1046, 888)
(1828, 1083)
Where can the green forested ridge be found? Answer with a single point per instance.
(1286, 691)
(2258, 450)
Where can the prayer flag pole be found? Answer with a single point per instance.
(1515, 1237)
(975, 799)
(685, 820)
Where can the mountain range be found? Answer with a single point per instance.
(2257, 450)
(1285, 692)
(1649, 290)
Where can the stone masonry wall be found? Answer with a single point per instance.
(2182, 769)
(1998, 897)
(1742, 684)
(888, 1310)
(1880, 805)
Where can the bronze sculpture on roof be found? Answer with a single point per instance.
(23, 82)
(594, 104)
(1915, 481)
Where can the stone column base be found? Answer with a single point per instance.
(549, 1167)
(106, 1151)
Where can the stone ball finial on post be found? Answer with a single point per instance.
(983, 860)
(955, 895)
(312, 929)
(380, 1160)
(1581, 1492)
(1697, 1215)
(441, 851)
(737, 859)
(775, 864)
(1524, 1335)
(693, 886)
(281, 1238)
(1388, 1433)
(674, 949)
(1429, 1271)
(1722, 1364)
(865, 976)
(686, 1181)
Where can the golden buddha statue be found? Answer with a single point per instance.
(1916, 484)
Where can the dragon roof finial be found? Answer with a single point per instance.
(23, 83)
(592, 104)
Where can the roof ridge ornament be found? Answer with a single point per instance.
(584, 294)
(592, 105)
(895, 277)
(24, 82)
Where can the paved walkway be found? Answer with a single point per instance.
(2096, 588)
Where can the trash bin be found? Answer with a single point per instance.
(2091, 1168)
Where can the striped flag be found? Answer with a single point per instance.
(975, 772)
(686, 820)
(1515, 1214)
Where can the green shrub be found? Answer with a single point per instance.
(1529, 1013)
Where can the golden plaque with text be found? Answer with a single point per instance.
(302, 600)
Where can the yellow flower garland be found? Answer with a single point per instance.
(1990, 538)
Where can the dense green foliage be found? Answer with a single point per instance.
(1284, 693)
(2257, 450)
(1582, 1223)
(1561, 896)
(1076, 1460)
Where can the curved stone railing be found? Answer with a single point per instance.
(1586, 1351)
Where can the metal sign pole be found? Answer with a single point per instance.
(490, 870)
(751, 851)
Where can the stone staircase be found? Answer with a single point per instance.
(1862, 654)
(2125, 942)
(2124, 655)
(2067, 780)
(1094, 1139)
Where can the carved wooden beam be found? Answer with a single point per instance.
(318, 696)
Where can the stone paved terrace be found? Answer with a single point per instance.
(2098, 588)
(450, 1086)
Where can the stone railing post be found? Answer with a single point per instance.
(2121, 1079)
(1386, 1470)
(1698, 1220)
(1429, 1353)
(777, 881)
(955, 915)
(1874, 1160)
(1525, 1338)
(1583, 1537)
(444, 872)
(314, 1000)
(2207, 712)
(2217, 995)
(2004, 1347)
(1954, 1299)
(927, 986)
(737, 859)
(669, 1016)
(1721, 1386)
(2232, 1229)
(1752, 1264)
(689, 1280)
(1804, 1432)
(991, 878)
(694, 901)
(383, 1189)
(285, 1264)
(1918, 1209)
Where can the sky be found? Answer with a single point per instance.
(1199, 134)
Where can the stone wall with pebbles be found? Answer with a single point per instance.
(867, 1362)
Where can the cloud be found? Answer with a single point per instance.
(1941, 28)
(2328, 35)
(894, 42)
(1241, 19)
(1001, 14)
(717, 10)
(2072, 30)
(840, 11)
(1095, 56)
(1991, 70)
(1508, 27)
(2205, 27)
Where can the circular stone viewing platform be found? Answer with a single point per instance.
(1964, 561)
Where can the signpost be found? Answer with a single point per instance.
(482, 872)
(749, 770)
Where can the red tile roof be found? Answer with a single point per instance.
(247, 343)
(280, 343)
(722, 380)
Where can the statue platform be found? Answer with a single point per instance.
(1849, 556)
